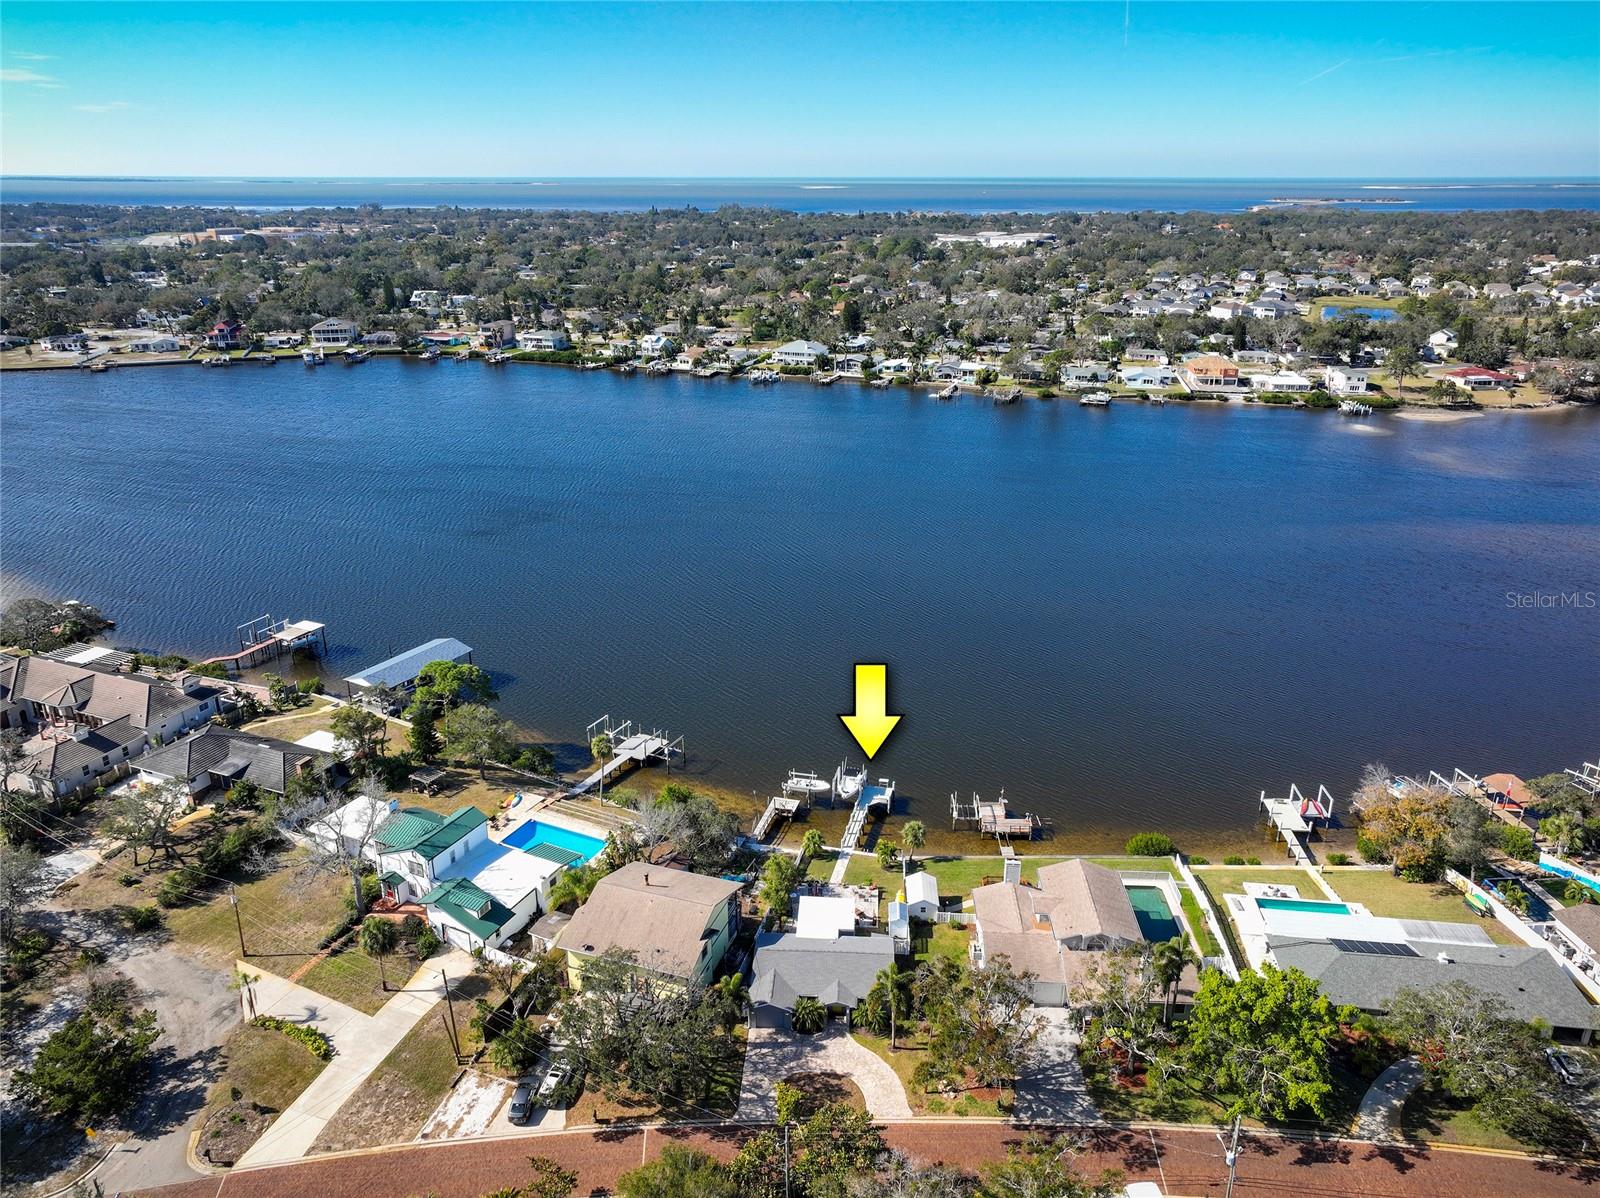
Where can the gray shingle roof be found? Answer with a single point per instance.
(835, 972)
(1530, 983)
(267, 762)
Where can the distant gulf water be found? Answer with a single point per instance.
(813, 195)
(1128, 618)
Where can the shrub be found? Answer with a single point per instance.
(1371, 851)
(179, 886)
(1198, 860)
(519, 1049)
(808, 1016)
(1252, 860)
(126, 879)
(143, 919)
(1149, 844)
(1517, 841)
(1233, 859)
(316, 1043)
(426, 944)
(1338, 858)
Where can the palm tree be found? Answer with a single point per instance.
(245, 983)
(912, 837)
(1168, 960)
(893, 985)
(378, 938)
(572, 887)
(731, 996)
(808, 1016)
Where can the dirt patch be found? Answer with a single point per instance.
(229, 1131)
(825, 1089)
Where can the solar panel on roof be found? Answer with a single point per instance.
(1374, 948)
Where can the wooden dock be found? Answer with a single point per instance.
(628, 749)
(265, 639)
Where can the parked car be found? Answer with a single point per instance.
(521, 1107)
(1565, 1067)
(553, 1089)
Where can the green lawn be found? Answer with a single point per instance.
(960, 875)
(1218, 882)
(1197, 923)
(352, 977)
(903, 1060)
(267, 1068)
(1383, 893)
(929, 940)
(1433, 1115)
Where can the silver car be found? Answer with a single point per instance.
(521, 1107)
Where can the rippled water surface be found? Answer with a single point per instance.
(1127, 617)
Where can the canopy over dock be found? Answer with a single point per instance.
(265, 639)
(629, 747)
(401, 670)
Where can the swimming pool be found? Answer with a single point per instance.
(1337, 311)
(525, 835)
(1312, 906)
(1154, 913)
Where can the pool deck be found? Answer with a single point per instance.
(523, 813)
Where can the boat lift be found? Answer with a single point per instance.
(1296, 816)
(630, 746)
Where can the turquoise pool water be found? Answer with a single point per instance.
(1154, 914)
(533, 832)
(1314, 906)
(1334, 312)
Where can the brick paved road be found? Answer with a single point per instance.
(1186, 1162)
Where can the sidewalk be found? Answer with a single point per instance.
(1379, 1117)
(360, 1042)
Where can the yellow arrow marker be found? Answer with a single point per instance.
(871, 723)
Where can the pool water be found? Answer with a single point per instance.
(533, 832)
(1154, 914)
(1312, 905)
(1335, 311)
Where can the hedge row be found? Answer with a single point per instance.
(316, 1043)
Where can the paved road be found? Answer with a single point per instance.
(1182, 1162)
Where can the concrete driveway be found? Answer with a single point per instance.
(772, 1054)
(1054, 1091)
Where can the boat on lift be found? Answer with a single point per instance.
(217, 360)
(879, 383)
(431, 354)
(848, 781)
(498, 358)
(1095, 399)
(1354, 407)
(353, 355)
(626, 368)
(949, 392)
(312, 357)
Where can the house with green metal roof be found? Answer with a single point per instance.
(421, 846)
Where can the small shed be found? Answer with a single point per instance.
(922, 896)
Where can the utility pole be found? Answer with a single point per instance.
(786, 1159)
(449, 1006)
(233, 901)
(1230, 1153)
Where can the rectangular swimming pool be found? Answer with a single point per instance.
(525, 835)
(1313, 906)
(1154, 913)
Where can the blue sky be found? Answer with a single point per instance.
(1140, 89)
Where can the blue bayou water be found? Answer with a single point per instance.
(814, 195)
(1126, 617)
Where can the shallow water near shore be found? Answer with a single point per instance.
(1128, 618)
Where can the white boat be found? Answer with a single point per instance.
(1008, 396)
(312, 357)
(267, 359)
(219, 360)
(825, 380)
(498, 358)
(353, 355)
(848, 781)
(949, 392)
(1096, 399)
(658, 368)
(762, 377)
(880, 384)
(1353, 407)
(100, 366)
(431, 354)
(626, 368)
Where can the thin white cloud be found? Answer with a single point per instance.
(24, 75)
(110, 106)
(26, 57)
(1325, 72)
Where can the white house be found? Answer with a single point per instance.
(1080, 373)
(543, 340)
(1348, 380)
(334, 331)
(162, 343)
(497, 334)
(654, 345)
(1282, 381)
(799, 353)
(1150, 378)
(489, 895)
(1443, 343)
(426, 301)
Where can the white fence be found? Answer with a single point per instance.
(1225, 962)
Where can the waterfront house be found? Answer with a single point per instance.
(485, 897)
(400, 671)
(1574, 932)
(1348, 380)
(1367, 974)
(381, 337)
(1053, 930)
(1149, 378)
(677, 923)
(282, 339)
(1081, 374)
(419, 845)
(65, 342)
(800, 353)
(1478, 378)
(1282, 382)
(1212, 374)
(216, 756)
(655, 345)
(1151, 357)
(496, 334)
(88, 723)
(159, 343)
(427, 301)
(334, 331)
(228, 334)
(544, 340)
(822, 959)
